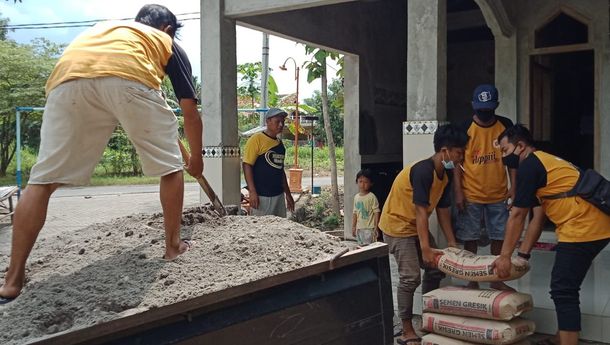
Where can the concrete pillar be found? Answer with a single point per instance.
(426, 88)
(219, 102)
(351, 135)
(506, 75)
(426, 76)
(426, 60)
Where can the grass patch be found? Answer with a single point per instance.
(321, 160)
(100, 180)
(102, 177)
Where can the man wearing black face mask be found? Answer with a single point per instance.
(583, 230)
(481, 185)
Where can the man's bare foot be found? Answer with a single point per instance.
(185, 246)
(501, 286)
(7, 294)
(473, 285)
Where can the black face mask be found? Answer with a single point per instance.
(511, 160)
(485, 115)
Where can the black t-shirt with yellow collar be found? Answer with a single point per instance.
(542, 174)
(266, 155)
(484, 178)
(416, 184)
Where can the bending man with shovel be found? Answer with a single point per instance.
(111, 74)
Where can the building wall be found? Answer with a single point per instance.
(527, 16)
(468, 65)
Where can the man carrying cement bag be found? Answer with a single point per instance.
(419, 189)
(582, 230)
(111, 74)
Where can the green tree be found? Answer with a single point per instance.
(316, 68)
(3, 30)
(335, 109)
(249, 85)
(24, 69)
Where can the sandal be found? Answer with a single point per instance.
(6, 300)
(408, 341)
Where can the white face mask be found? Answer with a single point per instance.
(448, 165)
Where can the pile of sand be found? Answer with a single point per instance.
(112, 269)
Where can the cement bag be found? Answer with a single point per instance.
(435, 339)
(478, 330)
(465, 265)
(484, 304)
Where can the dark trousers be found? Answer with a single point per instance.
(572, 261)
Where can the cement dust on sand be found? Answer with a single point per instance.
(113, 269)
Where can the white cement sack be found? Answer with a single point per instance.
(436, 339)
(478, 330)
(465, 265)
(484, 304)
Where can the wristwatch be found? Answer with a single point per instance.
(526, 256)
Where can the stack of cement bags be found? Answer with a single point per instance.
(459, 316)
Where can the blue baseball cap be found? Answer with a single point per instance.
(485, 96)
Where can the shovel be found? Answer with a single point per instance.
(218, 206)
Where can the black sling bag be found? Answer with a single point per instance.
(592, 187)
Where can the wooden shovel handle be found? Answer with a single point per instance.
(185, 154)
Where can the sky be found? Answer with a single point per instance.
(249, 42)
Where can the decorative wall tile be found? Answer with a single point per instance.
(221, 151)
(421, 127)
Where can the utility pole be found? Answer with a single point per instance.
(264, 77)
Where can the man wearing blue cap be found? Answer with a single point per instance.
(481, 184)
(263, 166)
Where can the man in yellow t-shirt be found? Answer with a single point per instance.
(263, 166)
(111, 74)
(582, 229)
(481, 188)
(419, 189)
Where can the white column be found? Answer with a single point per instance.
(351, 134)
(219, 102)
(426, 88)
